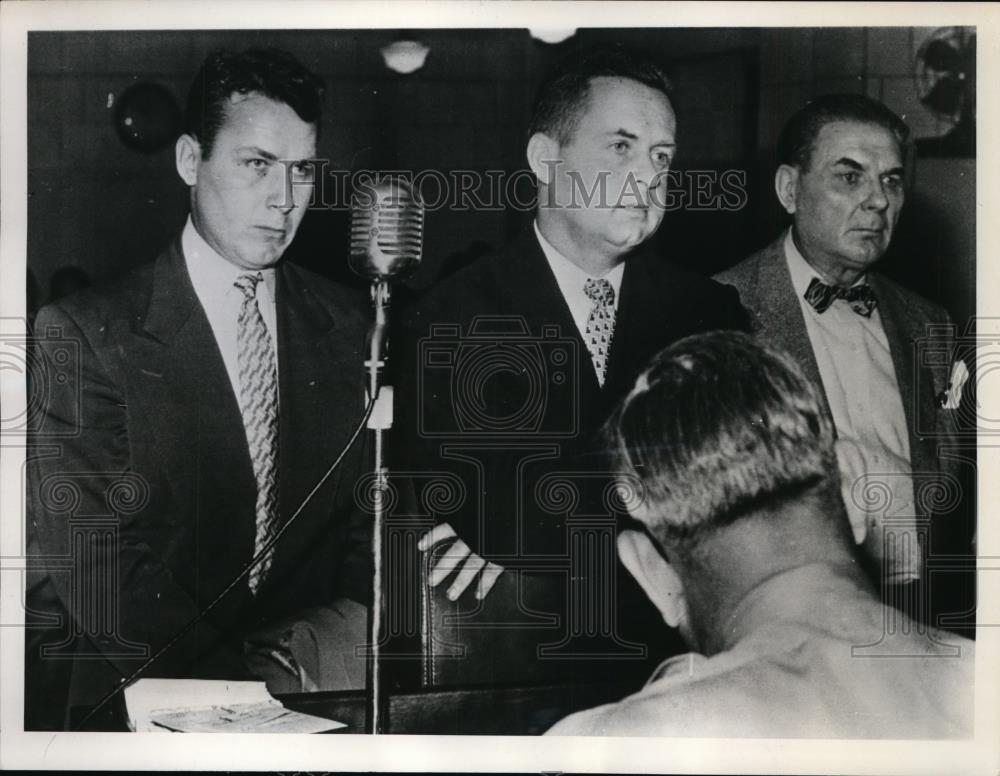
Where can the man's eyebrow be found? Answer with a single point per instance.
(257, 151)
(846, 161)
(632, 136)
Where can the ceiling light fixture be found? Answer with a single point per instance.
(405, 56)
(552, 35)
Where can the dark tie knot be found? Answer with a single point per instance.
(600, 291)
(861, 298)
(248, 284)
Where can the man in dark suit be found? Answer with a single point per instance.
(521, 356)
(814, 293)
(209, 392)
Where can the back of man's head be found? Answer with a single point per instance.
(563, 95)
(798, 137)
(719, 428)
(270, 72)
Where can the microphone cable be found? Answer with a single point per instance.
(256, 559)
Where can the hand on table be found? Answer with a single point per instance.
(458, 557)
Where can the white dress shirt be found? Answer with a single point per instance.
(572, 279)
(859, 379)
(214, 278)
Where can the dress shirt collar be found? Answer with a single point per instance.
(212, 276)
(570, 277)
(802, 271)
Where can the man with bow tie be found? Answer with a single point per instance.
(576, 297)
(814, 293)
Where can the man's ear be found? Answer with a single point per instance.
(543, 153)
(786, 186)
(187, 155)
(655, 576)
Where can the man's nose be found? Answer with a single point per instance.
(281, 194)
(646, 172)
(645, 177)
(877, 198)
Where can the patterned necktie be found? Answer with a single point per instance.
(861, 298)
(258, 377)
(600, 324)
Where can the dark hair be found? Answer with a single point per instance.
(719, 425)
(563, 95)
(268, 71)
(798, 137)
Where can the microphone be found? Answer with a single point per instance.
(387, 236)
(387, 229)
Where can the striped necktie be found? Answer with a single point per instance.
(258, 376)
(600, 324)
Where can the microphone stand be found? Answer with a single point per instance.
(379, 422)
(387, 221)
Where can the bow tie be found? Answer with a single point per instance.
(861, 298)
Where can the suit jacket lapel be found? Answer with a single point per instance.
(319, 404)
(188, 403)
(784, 325)
(526, 286)
(632, 323)
(646, 320)
(901, 330)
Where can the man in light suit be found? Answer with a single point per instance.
(209, 392)
(815, 293)
(547, 335)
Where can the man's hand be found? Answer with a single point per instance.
(458, 556)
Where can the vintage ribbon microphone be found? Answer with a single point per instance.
(387, 231)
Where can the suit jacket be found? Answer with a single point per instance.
(504, 399)
(765, 287)
(921, 342)
(142, 457)
(476, 313)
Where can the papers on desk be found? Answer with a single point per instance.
(213, 706)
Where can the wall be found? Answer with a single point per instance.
(97, 204)
(797, 64)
